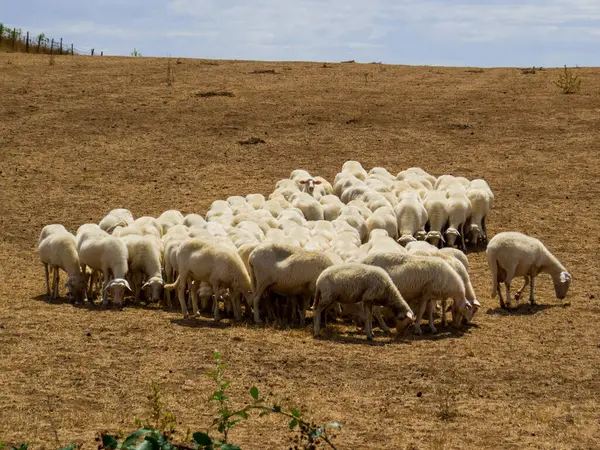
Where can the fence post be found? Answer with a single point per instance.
(72, 54)
(14, 37)
(60, 46)
(51, 46)
(92, 52)
(102, 53)
(27, 43)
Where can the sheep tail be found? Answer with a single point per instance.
(172, 287)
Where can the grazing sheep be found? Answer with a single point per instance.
(57, 249)
(216, 264)
(459, 210)
(481, 204)
(311, 208)
(354, 283)
(116, 217)
(512, 254)
(285, 270)
(169, 219)
(194, 220)
(257, 201)
(411, 217)
(421, 280)
(355, 168)
(144, 260)
(436, 204)
(107, 254)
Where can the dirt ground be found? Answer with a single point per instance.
(85, 135)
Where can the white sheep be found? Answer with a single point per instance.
(481, 204)
(216, 264)
(285, 270)
(57, 249)
(144, 261)
(383, 219)
(194, 220)
(354, 283)
(511, 254)
(311, 208)
(411, 218)
(355, 168)
(257, 201)
(436, 204)
(422, 280)
(169, 219)
(107, 254)
(116, 217)
(459, 211)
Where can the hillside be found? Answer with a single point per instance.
(87, 134)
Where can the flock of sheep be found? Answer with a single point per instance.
(370, 245)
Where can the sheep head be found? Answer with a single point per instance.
(155, 284)
(309, 185)
(76, 287)
(561, 284)
(404, 320)
(117, 288)
(434, 238)
(421, 235)
(405, 239)
(451, 235)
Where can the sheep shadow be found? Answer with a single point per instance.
(525, 309)
(203, 322)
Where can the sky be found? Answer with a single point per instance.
(483, 33)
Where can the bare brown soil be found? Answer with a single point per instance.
(85, 135)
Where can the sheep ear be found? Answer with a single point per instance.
(126, 283)
(302, 182)
(145, 285)
(318, 181)
(564, 277)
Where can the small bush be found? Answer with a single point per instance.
(214, 94)
(264, 71)
(252, 141)
(136, 52)
(568, 82)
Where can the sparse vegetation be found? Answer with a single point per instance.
(530, 70)
(252, 141)
(170, 72)
(214, 94)
(264, 71)
(15, 40)
(136, 53)
(477, 70)
(569, 82)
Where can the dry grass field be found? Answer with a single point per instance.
(84, 135)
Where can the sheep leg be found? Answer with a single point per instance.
(420, 313)
(444, 317)
(462, 238)
(380, 320)
(181, 296)
(56, 282)
(47, 281)
(531, 289)
(520, 291)
(484, 231)
(237, 306)
(369, 320)
(194, 297)
(508, 298)
(431, 308)
(256, 303)
(499, 290)
(169, 280)
(216, 312)
(105, 292)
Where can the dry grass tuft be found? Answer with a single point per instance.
(214, 94)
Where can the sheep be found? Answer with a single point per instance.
(354, 283)
(273, 206)
(383, 219)
(311, 208)
(144, 261)
(194, 220)
(436, 204)
(481, 203)
(356, 221)
(285, 270)
(344, 181)
(119, 216)
(423, 279)
(257, 201)
(325, 186)
(57, 249)
(457, 254)
(511, 254)
(332, 207)
(109, 255)
(459, 210)
(460, 269)
(51, 229)
(216, 264)
(169, 219)
(411, 218)
(138, 230)
(416, 171)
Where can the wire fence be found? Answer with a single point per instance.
(17, 40)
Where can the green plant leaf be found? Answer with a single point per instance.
(295, 412)
(276, 408)
(150, 443)
(69, 447)
(294, 423)
(225, 385)
(243, 414)
(202, 439)
(109, 441)
(135, 436)
(254, 392)
(216, 356)
(229, 447)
